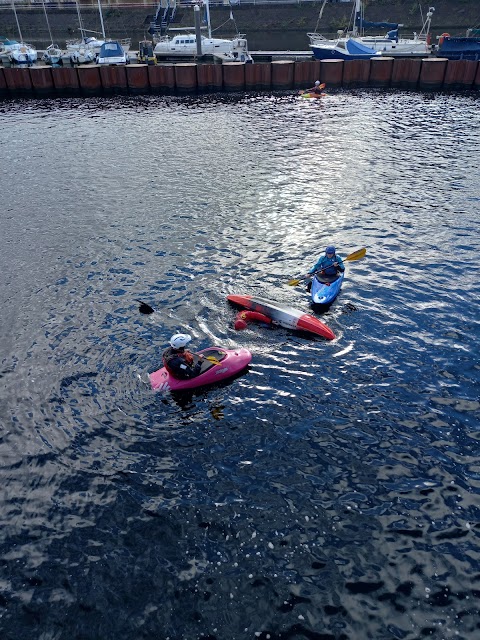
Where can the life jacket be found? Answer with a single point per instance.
(330, 270)
(180, 363)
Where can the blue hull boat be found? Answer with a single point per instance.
(325, 292)
(458, 48)
(348, 49)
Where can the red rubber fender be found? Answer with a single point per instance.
(243, 317)
(442, 38)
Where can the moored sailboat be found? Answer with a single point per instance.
(87, 48)
(20, 52)
(355, 44)
(52, 54)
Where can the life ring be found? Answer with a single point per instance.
(243, 317)
(442, 38)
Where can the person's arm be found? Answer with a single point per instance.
(340, 264)
(317, 266)
(189, 371)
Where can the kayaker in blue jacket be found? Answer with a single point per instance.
(328, 266)
(179, 361)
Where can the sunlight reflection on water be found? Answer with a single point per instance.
(332, 478)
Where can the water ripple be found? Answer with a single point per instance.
(330, 491)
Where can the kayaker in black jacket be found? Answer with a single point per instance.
(317, 88)
(180, 362)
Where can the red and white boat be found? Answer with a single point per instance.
(283, 315)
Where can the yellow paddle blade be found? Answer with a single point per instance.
(212, 359)
(356, 255)
(294, 282)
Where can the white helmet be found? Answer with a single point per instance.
(317, 82)
(180, 340)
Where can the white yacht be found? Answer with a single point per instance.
(184, 45)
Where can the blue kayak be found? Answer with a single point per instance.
(324, 289)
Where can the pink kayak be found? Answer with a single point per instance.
(229, 363)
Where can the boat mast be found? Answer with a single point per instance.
(428, 21)
(207, 13)
(358, 17)
(16, 18)
(82, 32)
(101, 19)
(48, 24)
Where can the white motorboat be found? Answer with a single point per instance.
(184, 45)
(112, 52)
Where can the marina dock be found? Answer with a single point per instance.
(427, 74)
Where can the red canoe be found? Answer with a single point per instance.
(283, 315)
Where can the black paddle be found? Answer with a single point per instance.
(144, 307)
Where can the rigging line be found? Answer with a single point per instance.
(320, 14)
(48, 23)
(222, 25)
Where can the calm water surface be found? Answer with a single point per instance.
(332, 491)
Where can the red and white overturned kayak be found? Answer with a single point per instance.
(228, 363)
(285, 316)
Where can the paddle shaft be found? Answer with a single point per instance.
(356, 255)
